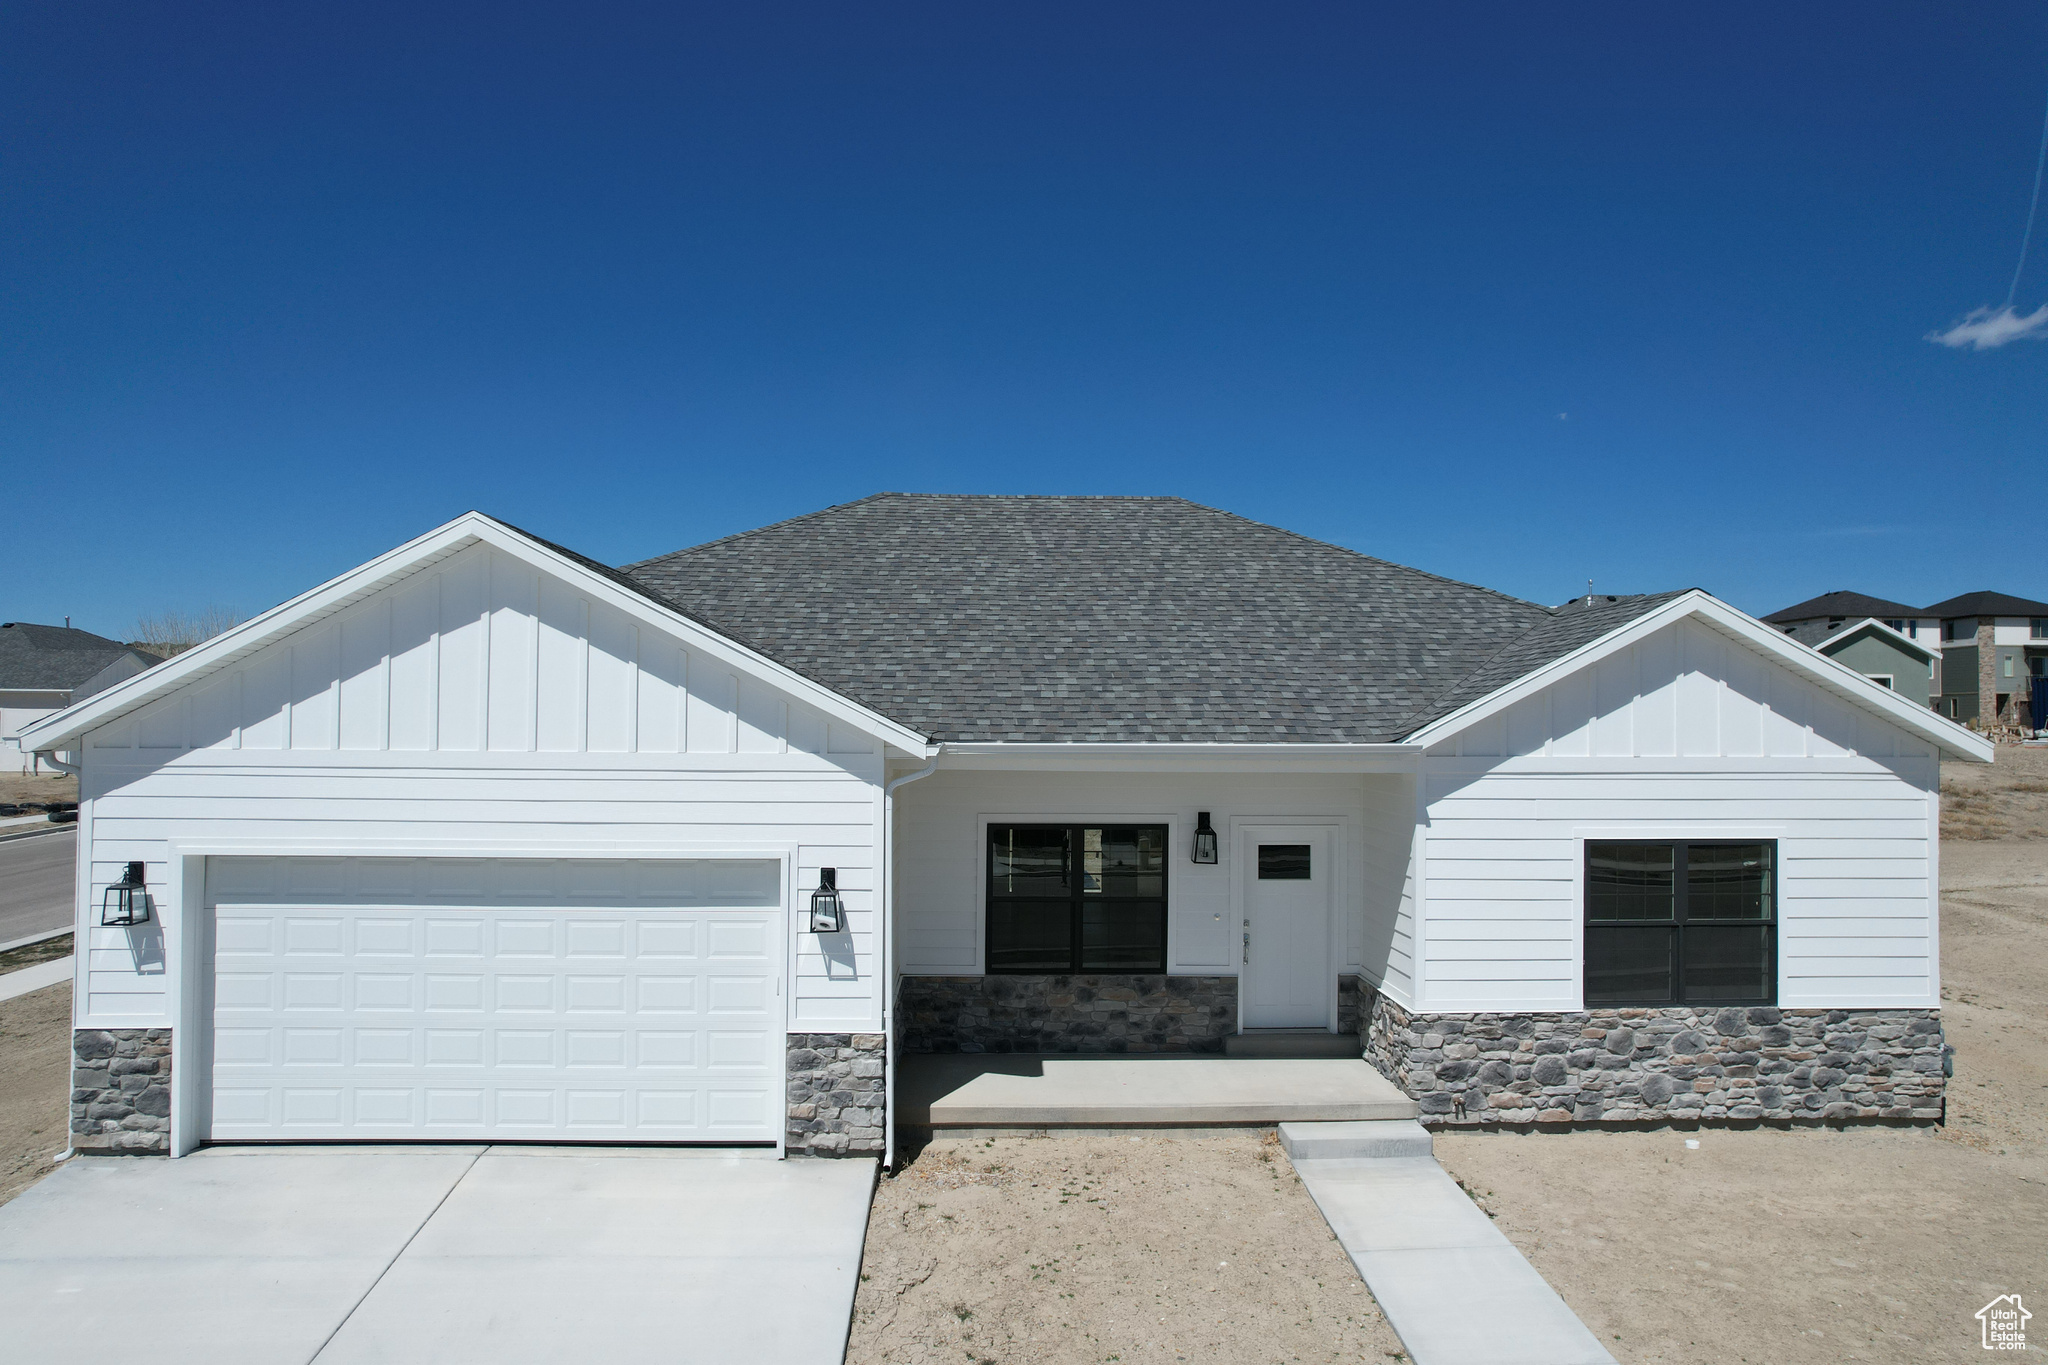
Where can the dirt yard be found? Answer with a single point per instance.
(1107, 1249)
(17, 787)
(35, 1085)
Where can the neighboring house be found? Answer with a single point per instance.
(1819, 619)
(1992, 644)
(44, 669)
(1881, 654)
(485, 840)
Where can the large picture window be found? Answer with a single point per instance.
(1681, 923)
(1076, 898)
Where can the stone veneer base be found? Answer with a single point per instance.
(835, 1092)
(1139, 1012)
(121, 1091)
(1636, 1066)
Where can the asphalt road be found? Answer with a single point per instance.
(35, 884)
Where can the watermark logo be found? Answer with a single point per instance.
(2005, 1323)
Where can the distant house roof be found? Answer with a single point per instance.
(1988, 604)
(1108, 619)
(54, 658)
(1850, 605)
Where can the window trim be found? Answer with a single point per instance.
(1772, 835)
(984, 851)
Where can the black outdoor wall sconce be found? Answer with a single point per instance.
(127, 901)
(1205, 839)
(828, 912)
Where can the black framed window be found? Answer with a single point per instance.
(1076, 898)
(1681, 923)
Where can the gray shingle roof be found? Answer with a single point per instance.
(1058, 619)
(1571, 626)
(52, 658)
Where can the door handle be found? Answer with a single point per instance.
(1247, 945)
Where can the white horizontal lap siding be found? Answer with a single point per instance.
(479, 702)
(942, 864)
(1688, 733)
(1386, 953)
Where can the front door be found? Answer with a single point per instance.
(1286, 963)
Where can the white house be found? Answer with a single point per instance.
(484, 839)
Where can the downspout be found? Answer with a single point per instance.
(889, 959)
(49, 756)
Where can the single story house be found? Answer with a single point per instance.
(487, 840)
(1886, 657)
(44, 669)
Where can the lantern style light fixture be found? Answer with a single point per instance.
(1205, 839)
(127, 901)
(828, 912)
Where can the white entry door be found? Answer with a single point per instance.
(557, 1000)
(1287, 970)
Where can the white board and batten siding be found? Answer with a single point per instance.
(483, 701)
(1688, 733)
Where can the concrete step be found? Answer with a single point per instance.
(1292, 1043)
(1363, 1138)
(1139, 1090)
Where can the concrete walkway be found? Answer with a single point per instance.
(35, 978)
(448, 1255)
(1125, 1090)
(1450, 1283)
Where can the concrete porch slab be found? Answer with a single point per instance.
(1135, 1091)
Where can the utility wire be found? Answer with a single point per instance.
(2027, 237)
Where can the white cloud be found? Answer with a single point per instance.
(1986, 328)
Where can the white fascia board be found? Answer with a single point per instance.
(1197, 757)
(1878, 628)
(58, 730)
(1953, 740)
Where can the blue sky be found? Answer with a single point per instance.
(1522, 295)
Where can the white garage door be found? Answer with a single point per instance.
(380, 999)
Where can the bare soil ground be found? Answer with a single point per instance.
(1126, 1249)
(16, 787)
(2007, 799)
(35, 1085)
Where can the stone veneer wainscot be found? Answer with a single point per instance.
(835, 1094)
(1662, 1065)
(121, 1091)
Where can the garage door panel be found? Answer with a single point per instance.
(387, 1019)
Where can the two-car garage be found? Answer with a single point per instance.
(500, 999)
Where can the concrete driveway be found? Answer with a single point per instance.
(264, 1255)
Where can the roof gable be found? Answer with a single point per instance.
(1836, 681)
(318, 626)
(1872, 629)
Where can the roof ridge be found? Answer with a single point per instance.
(756, 530)
(1370, 559)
